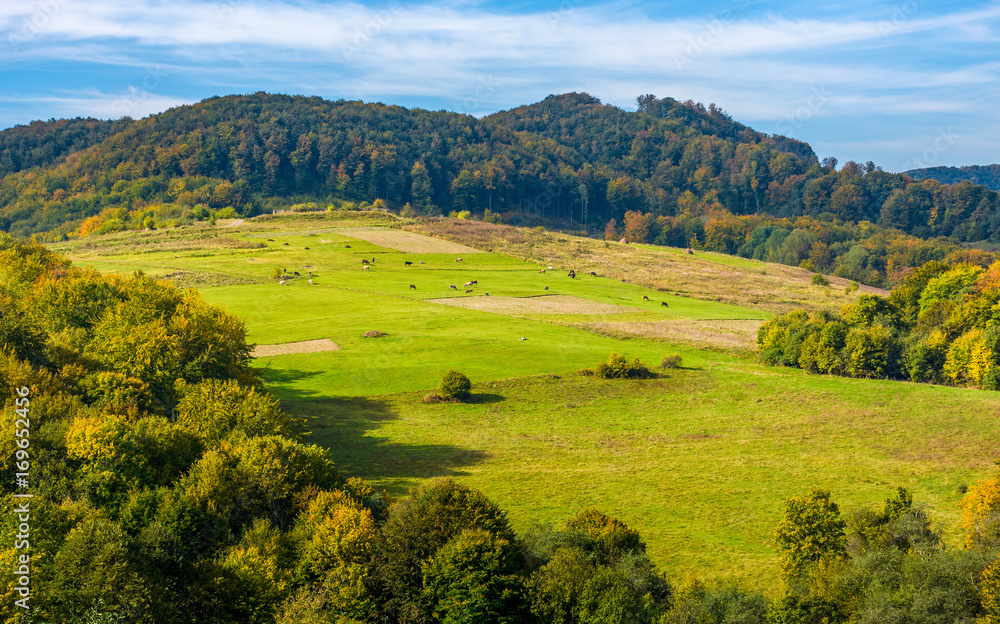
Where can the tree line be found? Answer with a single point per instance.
(940, 325)
(569, 159)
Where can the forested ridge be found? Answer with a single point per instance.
(569, 160)
(986, 175)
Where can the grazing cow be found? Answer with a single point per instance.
(295, 272)
(645, 298)
(305, 248)
(664, 304)
(452, 286)
(546, 288)
(458, 260)
(284, 243)
(281, 283)
(270, 240)
(347, 246)
(421, 262)
(413, 286)
(549, 268)
(363, 261)
(474, 282)
(468, 291)
(523, 338)
(541, 270)
(310, 281)
(407, 263)
(365, 268)
(594, 274)
(467, 284)
(572, 274)
(688, 251)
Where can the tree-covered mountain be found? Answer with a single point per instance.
(569, 158)
(985, 175)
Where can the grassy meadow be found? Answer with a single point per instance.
(698, 460)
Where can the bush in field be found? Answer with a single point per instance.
(818, 279)
(618, 367)
(671, 361)
(455, 385)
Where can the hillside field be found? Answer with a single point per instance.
(698, 460)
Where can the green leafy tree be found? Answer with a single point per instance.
(810, 530)
(474, 578)
(555, 588)
(417, 528)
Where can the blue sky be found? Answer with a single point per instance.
(907, 83)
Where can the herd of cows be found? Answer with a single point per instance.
(367, 264)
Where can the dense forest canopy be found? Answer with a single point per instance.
(569, 158)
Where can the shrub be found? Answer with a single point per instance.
(373, 334)
(618, 367)
(851, 287)
(455, 385)
(819, 279)
(586, 372)
(671, 361)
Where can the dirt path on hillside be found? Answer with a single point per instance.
(288, 348)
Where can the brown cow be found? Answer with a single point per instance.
(645, 298)
(452, 286)
(594, 274)
(664, 304)
(572, 274)
(468, 291)
(458, 260)
(413, 286)
(363, 261)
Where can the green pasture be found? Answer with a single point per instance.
(698, 460)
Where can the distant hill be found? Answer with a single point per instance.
(42, 144)
(986, 175)
(569, 159)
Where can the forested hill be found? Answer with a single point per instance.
(986, 175)
(43, 144)
(569, 158)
